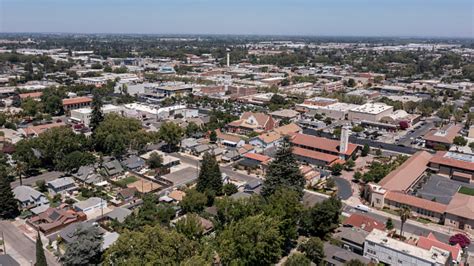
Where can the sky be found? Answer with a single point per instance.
(412, 18)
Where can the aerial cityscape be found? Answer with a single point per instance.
(212, 135)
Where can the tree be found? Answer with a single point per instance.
(365, 150)
(459, 141)
(210, 177)
(337, 168)
(86, 249)
(213, 136)
(349, 165)
(194, 201)
(150, 246)
(357, 175)
(155, 161)
(314, 249)
(8, 203)
(190, 226)
(322, 218)
(297, 259)
(351, 83)
(283, 172)
(277, 99)
(41, 184)
(30, 106)
(171, 133)
(254, 240)
(72, 161)
(229, 189)
(150, 213)
(192, 128)
(404, 213)
(96, 116)
(40, 257)
(460, 239)
(389, 224)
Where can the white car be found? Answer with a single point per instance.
(362, 207)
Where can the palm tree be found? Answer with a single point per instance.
(405, 213)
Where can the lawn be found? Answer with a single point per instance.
(467, 190)
(127, 180)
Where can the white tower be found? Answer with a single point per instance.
(344, 145)
(228, 59)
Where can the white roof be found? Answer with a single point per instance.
(372, 108)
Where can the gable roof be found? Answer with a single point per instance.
(445, 134)
(76, 100)
(257, 157)
(26, 193)
(269, 137)
(288, 129)
(444, 158)
(413, 201)
(364, 222)
(320, 143)
(402, 178)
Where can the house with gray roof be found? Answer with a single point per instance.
(29, 197)
(133, 162)
(118, 214)
(61, 185)
(87, 175)
(90, 204)
(112, 167)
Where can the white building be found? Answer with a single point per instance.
(337, 111)
(380, 247)
(83, 115)
(370, 112)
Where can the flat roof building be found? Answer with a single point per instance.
(370, 112)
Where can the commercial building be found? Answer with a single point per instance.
(382, 249)
(76, 103)
(83, 115)
(370, 112)
(442, 137)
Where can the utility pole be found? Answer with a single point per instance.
(4, 245)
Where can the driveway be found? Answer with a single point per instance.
(344, 188)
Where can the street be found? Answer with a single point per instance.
(20, 247)
(31, 181)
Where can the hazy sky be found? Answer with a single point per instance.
(444, 18)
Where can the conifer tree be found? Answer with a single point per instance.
(210, 177)
(8, 203)
(40, 257)
(283, 172)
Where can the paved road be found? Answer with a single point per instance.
(410, 136)
(344, 190)
(30, 181)
(21, 244)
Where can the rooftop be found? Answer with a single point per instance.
(372, 108)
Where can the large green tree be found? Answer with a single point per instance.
(96, 116)
(314, 249)
(297, 259)
(150, 246)
(8, 203)
(40, 257)
(283, 172)
(255, 240)
(210, 177)
(194, 201)
(322, 218)
(86, 249)
(171, 133)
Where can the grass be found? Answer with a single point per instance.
(127, 180)
(423, 220)
(466, 190)
(80, 197)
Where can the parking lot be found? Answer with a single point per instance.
(441, 188)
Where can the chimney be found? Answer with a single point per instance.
(344, 145)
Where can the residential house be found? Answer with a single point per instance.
(61, 186)
(90, 204)
(252, 122)
(266, 140)
(54, 219)
(352, 239)
(337, 256)
(229, 140)
(29, 197)
(127, 194)
(255, 161)
(87, 175)
(112, 167)
(134, 163)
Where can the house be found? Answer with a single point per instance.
(352, 239)
(54, 219)
(288, 129)
(29, 197)
(252, 122)
(255, 161)
(168, 160)
(188, 144)
(87, 175)
(61, 185)
(133, 162)
(253, 187)
(230, 155)
(173, 196)
(363, 222)
(127, 194)
(67, 235)
(201, 149)
(206, 225)
(34, 131)
(182, 177)
(90, 204)
(119, 214)
(112, 168)
(285, 114)
(266, 140)
(337, 256)
(229, 140)
(311, 175)
(443, 137)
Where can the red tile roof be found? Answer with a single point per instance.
(430, 241)
(461, 205)
(76, 100)
(321, 143)
(413, 201)
(364, 222)
(402, 178)
(32, 130)
(257, 157)
(440, 158)
(30, 95)
(328, 158)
